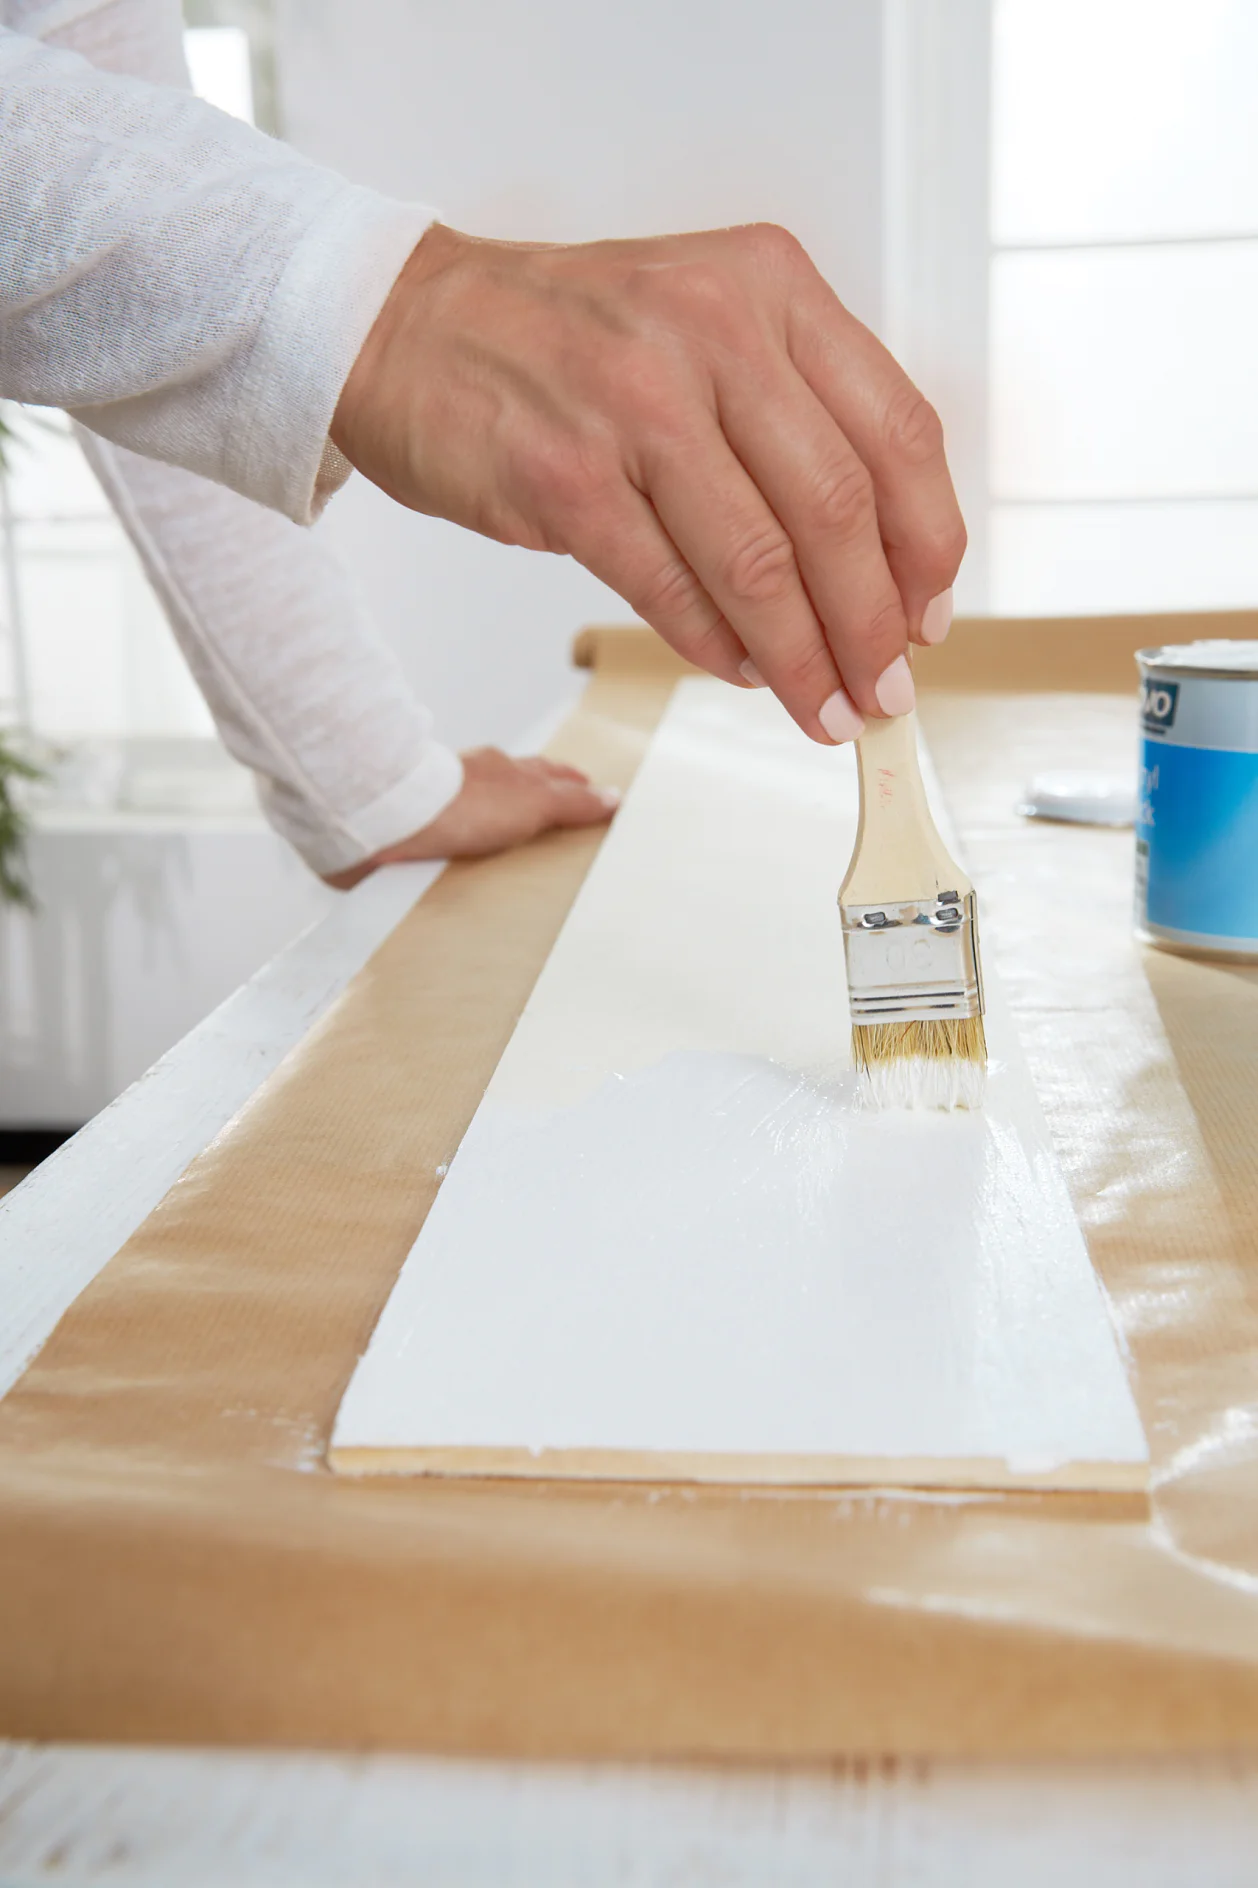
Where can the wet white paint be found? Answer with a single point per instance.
(675, 1227)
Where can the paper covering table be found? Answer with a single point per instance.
(178, 1563)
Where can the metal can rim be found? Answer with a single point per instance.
(1175, 659)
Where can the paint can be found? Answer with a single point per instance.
(1197, 808)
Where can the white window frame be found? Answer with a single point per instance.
(937, 224)
(940, 249)
(252, 19)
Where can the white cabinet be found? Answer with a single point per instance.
(146, 921)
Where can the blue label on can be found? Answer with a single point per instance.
(1197, 840)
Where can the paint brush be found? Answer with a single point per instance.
(910, 937)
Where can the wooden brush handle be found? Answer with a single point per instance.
(898, 854)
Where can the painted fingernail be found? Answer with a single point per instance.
(894, 688)
(840, 717)
(937, 617)
(750, 673)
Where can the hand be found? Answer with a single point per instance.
(701, 423)
(502, 803)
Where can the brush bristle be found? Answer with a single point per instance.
(923, 1065)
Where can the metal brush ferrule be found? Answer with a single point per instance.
(915, 962)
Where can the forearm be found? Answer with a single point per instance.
(184, 285)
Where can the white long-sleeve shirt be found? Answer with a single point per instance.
(195, 293)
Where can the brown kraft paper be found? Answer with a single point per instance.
(177, 1563)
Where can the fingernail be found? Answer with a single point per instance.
(750, 673)
(610, 797)
(937, 617)
(840, 717)
(894, 690)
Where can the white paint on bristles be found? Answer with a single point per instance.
(927, 1082)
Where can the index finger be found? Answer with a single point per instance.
(899, 437)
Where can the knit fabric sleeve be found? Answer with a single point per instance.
(302, 688)
(181, 283)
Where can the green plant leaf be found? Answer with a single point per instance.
(15, 886)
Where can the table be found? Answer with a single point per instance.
(131, 1816)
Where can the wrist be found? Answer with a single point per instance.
(352, 424)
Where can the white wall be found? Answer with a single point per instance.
(565, 120)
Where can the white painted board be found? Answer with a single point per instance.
(61, 1226)
(93, 1816)
(676, 1244)
(68, 1218)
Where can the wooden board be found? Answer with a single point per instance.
(61, 1226)
(91, 1816)
(676, 1245)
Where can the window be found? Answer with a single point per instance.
(84, 649)
(219, 67)
(1082, 208)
